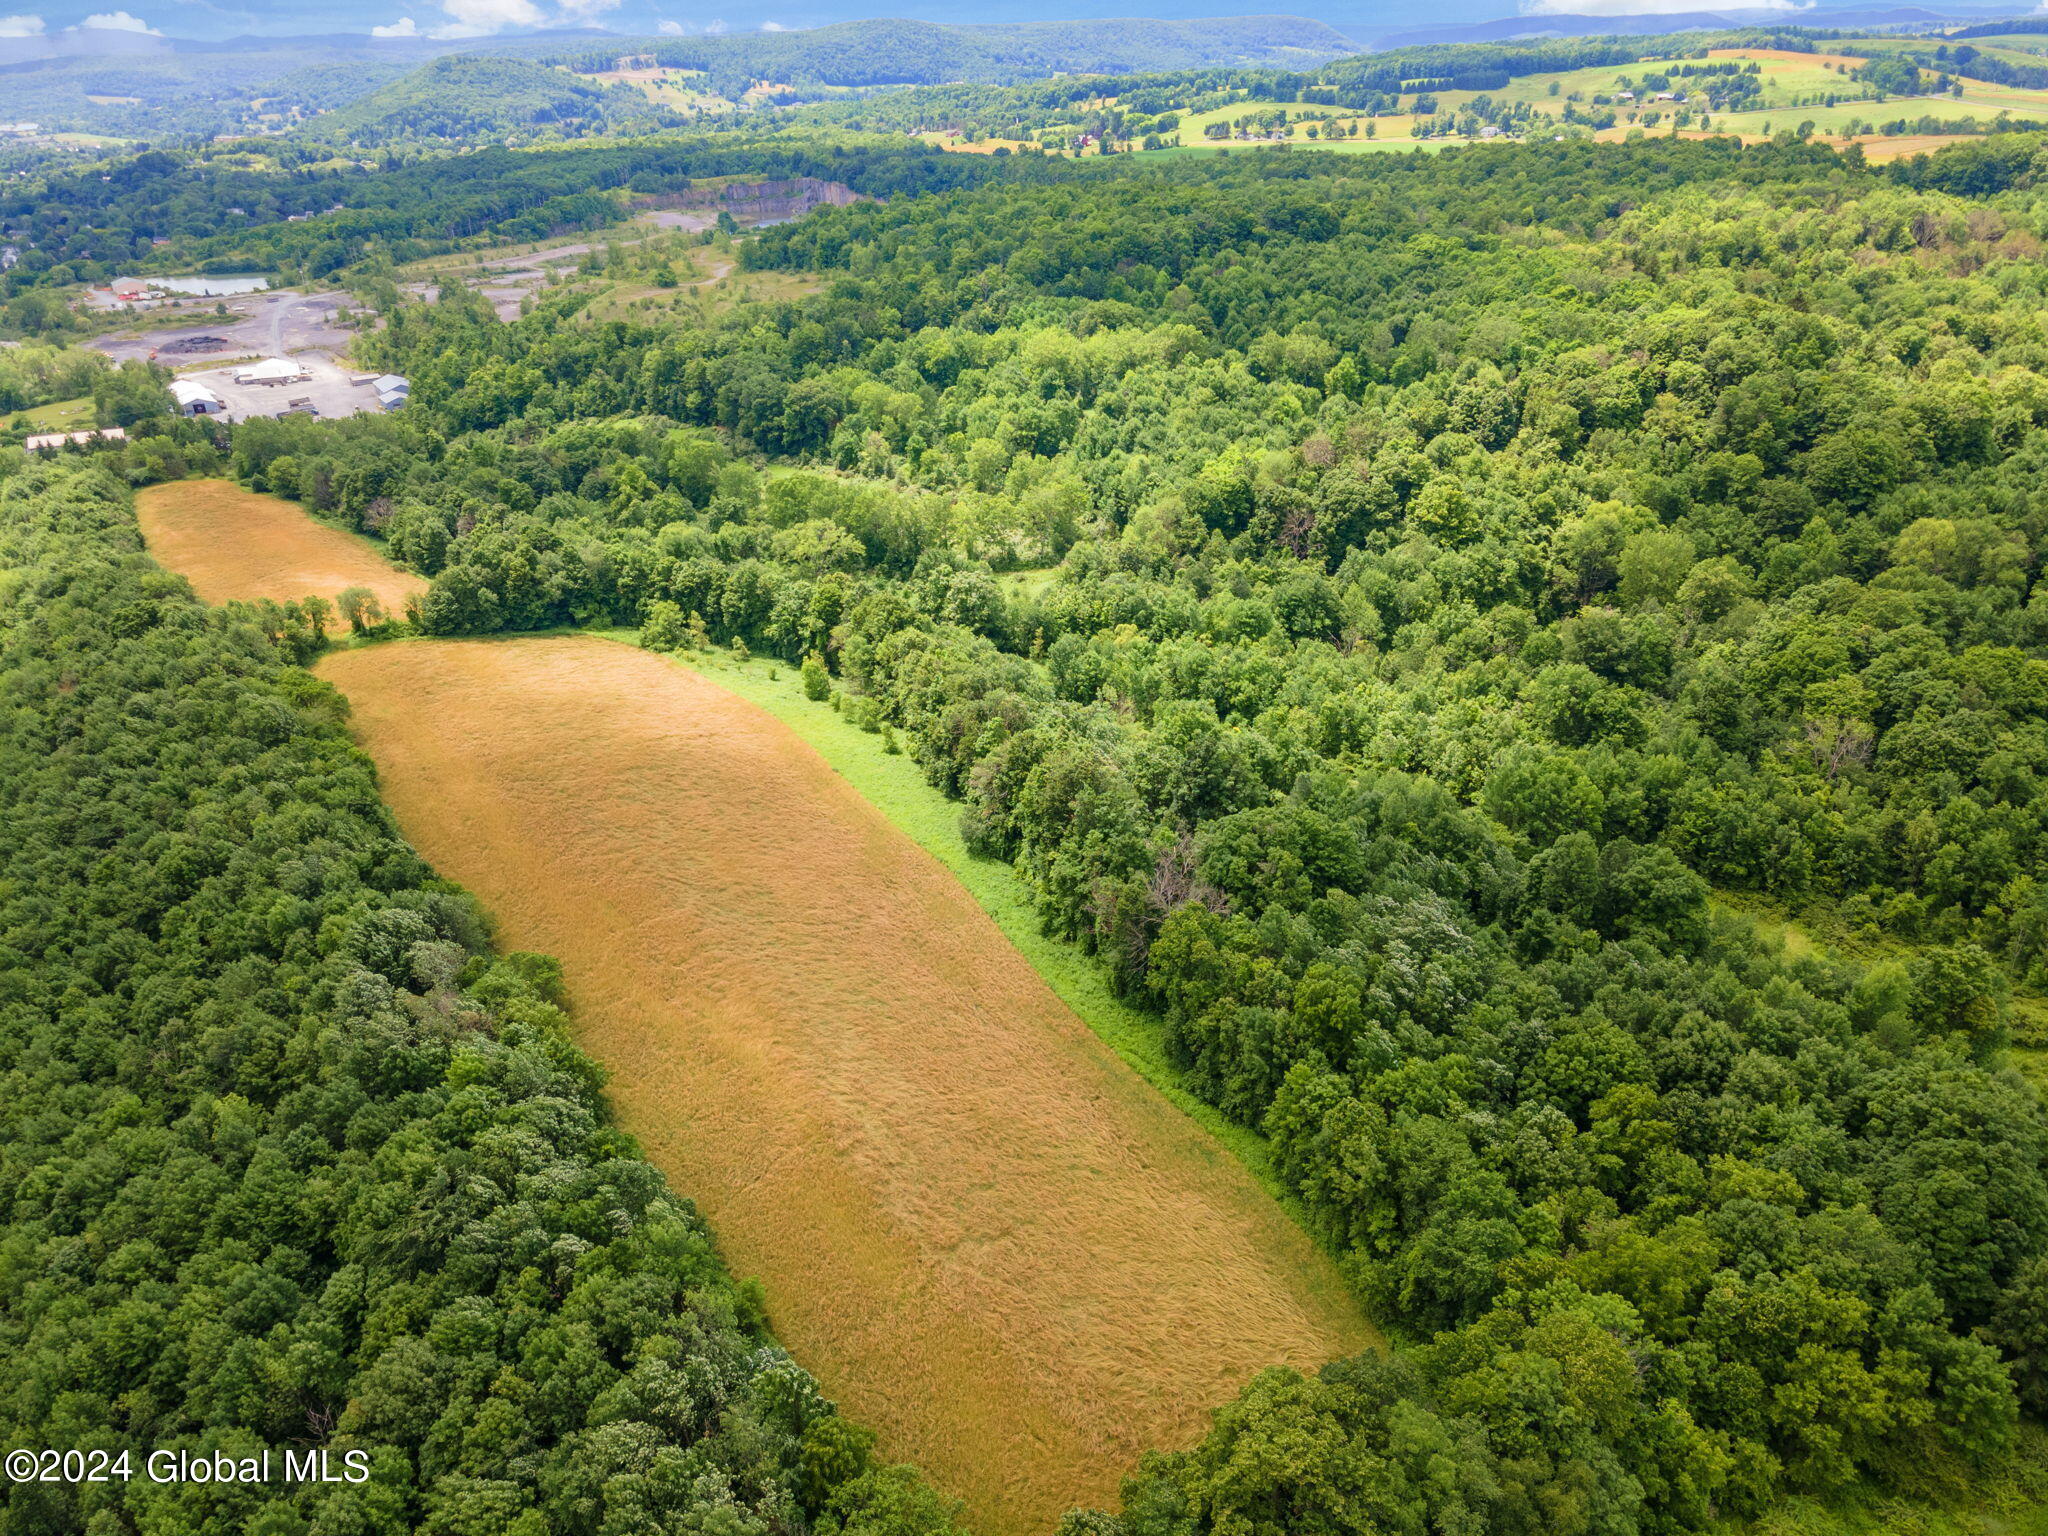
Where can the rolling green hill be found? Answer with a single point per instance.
(178, 93)
(472, 99)
(892, 51)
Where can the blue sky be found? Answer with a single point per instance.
(508, 18)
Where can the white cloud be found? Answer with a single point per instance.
(669, 28)
(776, 26)
(717, 28)
(1653, 7)
(494, 14)
(481, 18)
(114, 21)
(32, 26)
(487, 18)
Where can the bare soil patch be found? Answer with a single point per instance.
(178, 345)
(988, 1236)
(234, 544)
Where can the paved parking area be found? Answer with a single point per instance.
(329, 389)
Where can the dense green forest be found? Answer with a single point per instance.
(289, 1156)
(179, 91)
(1405, 616)
(400, 169)
(1455, 579)
(415, 166)
(311, 221)
(895, 51)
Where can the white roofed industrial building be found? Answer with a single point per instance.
(195, 399)
(272, 370)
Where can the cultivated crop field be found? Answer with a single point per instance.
(988, 1236)
(2009, 48)
(232, 543)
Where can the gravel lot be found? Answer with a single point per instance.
(276, 324)
(329, 389)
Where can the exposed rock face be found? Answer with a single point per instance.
(785, 199)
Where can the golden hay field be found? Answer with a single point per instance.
(991, 1240)
(1787, 56)
(232, 543)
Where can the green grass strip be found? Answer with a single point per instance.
(895, 786)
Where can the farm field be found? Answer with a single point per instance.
(989, 1238)
(234, 544)
(1789, 77)
(2010, 48)
(1793, 83)
(1980, 100)
(1785, 75)
(949, 140)
(666, 87)
(893, 783)
(1879, 148)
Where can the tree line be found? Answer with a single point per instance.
(291, 1155)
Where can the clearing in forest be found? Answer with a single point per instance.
(234, 544)
(991, 1240)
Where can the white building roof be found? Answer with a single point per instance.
(388, 383)
(271, 368)
(185, 391)
(60, 439)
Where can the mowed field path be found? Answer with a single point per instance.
(232, 543)
(991, 1240)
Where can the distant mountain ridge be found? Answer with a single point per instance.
(901, 51)
(1560, 24)
(142, 85)
(481, 98)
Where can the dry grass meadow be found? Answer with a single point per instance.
(232, 543)
(987, 1235)
(991, 1240)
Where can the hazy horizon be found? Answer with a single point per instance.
(516, 20)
